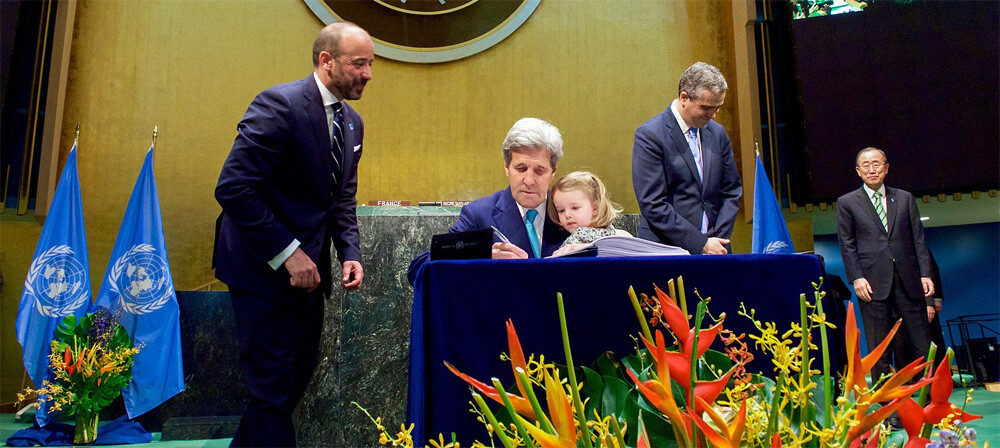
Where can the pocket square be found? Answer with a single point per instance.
(357, 148)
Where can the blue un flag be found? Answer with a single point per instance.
(770, 234)
(138, 282)
(58, 281)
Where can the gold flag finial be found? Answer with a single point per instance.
(155, 131)
(756, 147)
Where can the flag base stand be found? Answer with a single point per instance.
(17, 415)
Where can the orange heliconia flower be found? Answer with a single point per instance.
(68, 364)
(521, 404)
(561, 415)
(914, 417)
(731, 435)
(941, 388)
(893, 391)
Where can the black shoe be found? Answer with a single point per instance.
(894, 423)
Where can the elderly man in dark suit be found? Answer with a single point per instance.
(882, 244)
(287, 192)
(683, 170)
(531, 153)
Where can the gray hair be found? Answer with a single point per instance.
(533, 133)
(701, 76)
(328, 40)
(870, 149)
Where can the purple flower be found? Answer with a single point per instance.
(935, 445)
(970, 434)
(948, 437)
(103, 322)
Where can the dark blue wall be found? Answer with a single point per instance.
(969, 259)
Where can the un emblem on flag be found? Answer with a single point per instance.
(777, 247)
(141, 280)
(55, 279)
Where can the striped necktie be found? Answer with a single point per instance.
(880, 209)
(337, 147)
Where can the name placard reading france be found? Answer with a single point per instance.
(429, 31)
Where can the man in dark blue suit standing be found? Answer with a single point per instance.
(531, 153)
(887, 262)
(287, 192)
(683, 170)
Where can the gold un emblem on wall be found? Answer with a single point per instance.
(428, 31)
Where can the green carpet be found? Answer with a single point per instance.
(984, 403)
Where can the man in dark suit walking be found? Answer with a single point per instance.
(886, 260)
(287, 191)
(683, 170)
(531, 153)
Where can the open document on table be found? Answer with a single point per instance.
(624, 246)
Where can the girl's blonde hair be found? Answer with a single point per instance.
(594, 189)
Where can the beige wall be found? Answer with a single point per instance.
(594, 68)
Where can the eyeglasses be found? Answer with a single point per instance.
(867, 166)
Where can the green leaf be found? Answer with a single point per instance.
(636, 363)
(593, 387)
(606, 365)
(711, 363)
(614, 396)
(765, 392)
(661, 433)
(66, 329)
(818, 392)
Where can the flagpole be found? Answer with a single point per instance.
(152, 146)
(76, 138)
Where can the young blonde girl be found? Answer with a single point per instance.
(579, 203)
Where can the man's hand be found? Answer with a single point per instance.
(714, 246)
(353, 275)
(863, 289)
(928, 286)
(930, 313)
(508, 251)
(302, 270)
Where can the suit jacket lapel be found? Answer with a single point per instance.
(680, 142)
(350, 141)
(321, 130)
(707, 157)
(890, 209)
(508, 219)
(553, 236)
(868, 207)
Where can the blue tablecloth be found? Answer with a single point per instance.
(459, 310)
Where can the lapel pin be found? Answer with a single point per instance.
(350, 126)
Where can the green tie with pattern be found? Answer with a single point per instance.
(880, 209)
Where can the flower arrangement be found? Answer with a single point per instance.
(91, 361)
(686, 395)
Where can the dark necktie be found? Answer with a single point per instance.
(337, 148)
